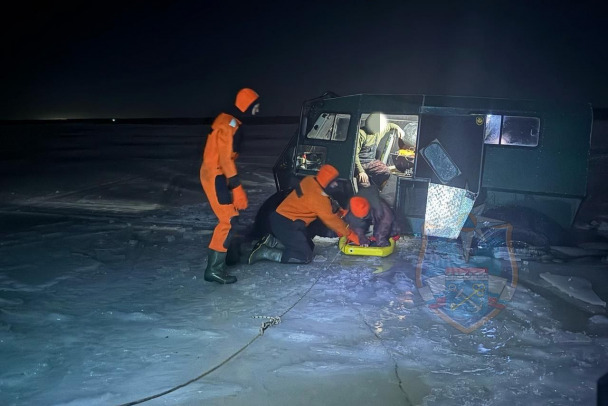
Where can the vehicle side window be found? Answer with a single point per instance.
(330, 126)
(492, 132)
(512, 130)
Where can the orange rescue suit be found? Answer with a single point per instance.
(217, 167)
(312, 204)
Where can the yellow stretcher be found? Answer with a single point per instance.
(366, 251)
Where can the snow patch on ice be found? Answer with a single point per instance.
(297, 337)
(578, 251)
(594, 245)
(599, 319)
(320, 368)
(134, 316)
(570, 337)
(10, 302)
(574, 286)
(102, 399)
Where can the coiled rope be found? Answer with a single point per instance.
(272, 321)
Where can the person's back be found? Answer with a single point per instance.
(289, 222)
(307, 205)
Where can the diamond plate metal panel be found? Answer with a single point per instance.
(447, 209)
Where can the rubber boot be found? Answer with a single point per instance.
(233, 255)
(216, 268)
(271, 241)
(262, 251)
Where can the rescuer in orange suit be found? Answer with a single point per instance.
(356, 218)
(221, 182)
(289, 242)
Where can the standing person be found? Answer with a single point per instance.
(289, 241)
(371, 171)
(220, 180)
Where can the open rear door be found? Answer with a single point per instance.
(450, 150)
(450, 155)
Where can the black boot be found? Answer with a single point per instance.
(262, 251)
(271, 241)
(233, 255)
(216, 268)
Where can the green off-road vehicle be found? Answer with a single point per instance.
(456, 153)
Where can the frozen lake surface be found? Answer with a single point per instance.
(102, 301)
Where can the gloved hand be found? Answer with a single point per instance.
(239, 198)
(342, 212)
(352, 237)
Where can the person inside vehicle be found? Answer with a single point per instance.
(289, 241)
(372, 171)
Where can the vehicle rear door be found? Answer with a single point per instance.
(450, 150)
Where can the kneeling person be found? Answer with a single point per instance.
(381, 216)
(357, 218)
(288, 223)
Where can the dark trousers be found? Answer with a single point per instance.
(293, 235)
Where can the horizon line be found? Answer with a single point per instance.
(600, 113)
(116, 120)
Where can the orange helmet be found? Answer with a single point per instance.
(326, 175)
(359, 206)
(245, 98)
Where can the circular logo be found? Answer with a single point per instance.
(479, 120)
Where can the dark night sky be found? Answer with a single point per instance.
(188, 58)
